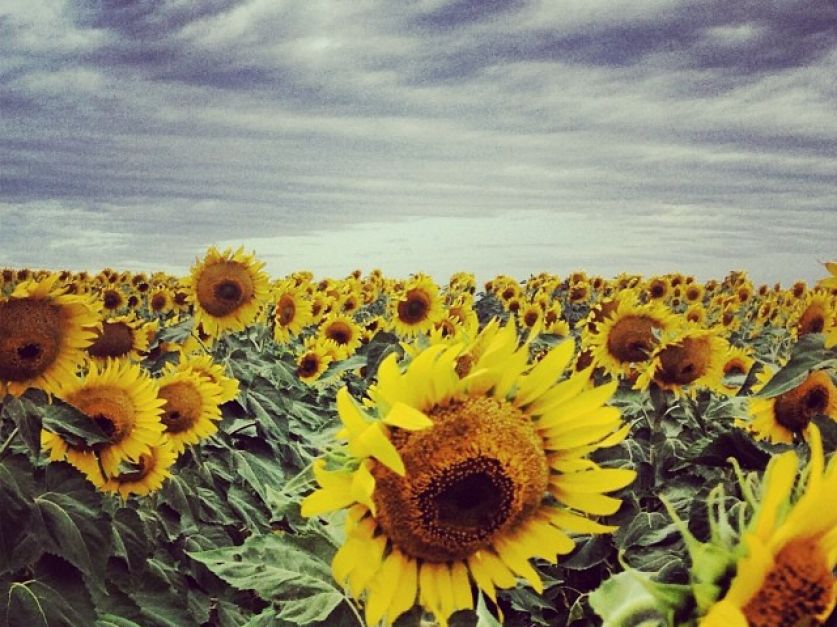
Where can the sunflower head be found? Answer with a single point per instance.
(417, 307)
(42, 336)
(313, 361)
(789, 414)
(190, 407)
(685, 361)
(459, 473)
(343, 331)
(228, 290)
(119, 337)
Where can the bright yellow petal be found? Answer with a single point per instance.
(462, 597)
(516, 559)
(597, 504)
(602, 480)
(403, 416)
(373, 442)
(544, 373)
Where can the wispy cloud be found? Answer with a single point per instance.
(143, 132)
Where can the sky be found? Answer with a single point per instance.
(428, 135)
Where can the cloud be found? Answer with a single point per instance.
(196, 123)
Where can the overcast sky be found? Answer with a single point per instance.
(482, 135)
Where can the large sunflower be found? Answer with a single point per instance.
(781, 417)
(228, 289)
(417, 307)
(122, 400)
(462, 478)
(190, 407)
(43, 334)
(313, 361)
(785, 575)
(628, 336)
(686, 361)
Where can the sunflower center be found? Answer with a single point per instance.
(182, 409)
(158, 302)
(339, 332)
(658, 290)
(414, 308)
(794, 409)
(796, 591)
(530, 318)
(223, 287)
(734, 367)
(812, 320)
(139, 472)
(116, 340)
(683, 363)
(308, 366)
(286, 310)
(477, 473)
(30, 338)
(110, 408)
(632, 338)
(111, 299)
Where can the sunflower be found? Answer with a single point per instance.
(417, 307)
(228, 290)
(43, 334)
(781, 417)
(142, 477)
(343, 331)
(122, 400)
(160, 300)
(814, 314)
(313, 361)
(629, 335)
(737, 362)
(685, 361)
(291, 313)
(203, 364)
(530, 316)
(190, 408)
(784, 574)
(113, 299)
(658, 289)
(122, 336)
(463, 478)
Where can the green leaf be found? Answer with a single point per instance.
(26, 416)
(315, 608)
(808, 354)
(631, 598)
(66, 538)
(75, 427)
(109, 620)
(734, 443)
(484, 617)
(161, 608)
(280, 569)
(24, 607)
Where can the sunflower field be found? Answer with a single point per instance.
(232, 449)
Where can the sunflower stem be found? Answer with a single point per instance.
(9, 441)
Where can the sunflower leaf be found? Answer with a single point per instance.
(74, 426)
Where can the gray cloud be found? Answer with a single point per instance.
(183, 124)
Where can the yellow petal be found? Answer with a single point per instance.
(462, 597)
(724, 614)
(602, 480)
(481, 574)
(576, 523)
(382, 589)
(373, 442)
(428, 592)
(582, 404)
(598, 504)
(444, 586)
(322, 501)
(561, 392)
(405, 594)
(403, 416)
(555, 423)
(516, 559)
(391, 383)
(363, 486)
(778, 481)
(540, 539)
(544, 373)
(350, 415)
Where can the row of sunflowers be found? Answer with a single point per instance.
(368, 450)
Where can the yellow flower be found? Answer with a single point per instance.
(43, 334)
(465, 474)
(344, 332)
(785, 576)
(122, 400)
(228, 290)
(417, 307)
(781, 417)
(291, 313)
(313, 361)
(190, 408)
(118, 337)
(147, 475)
